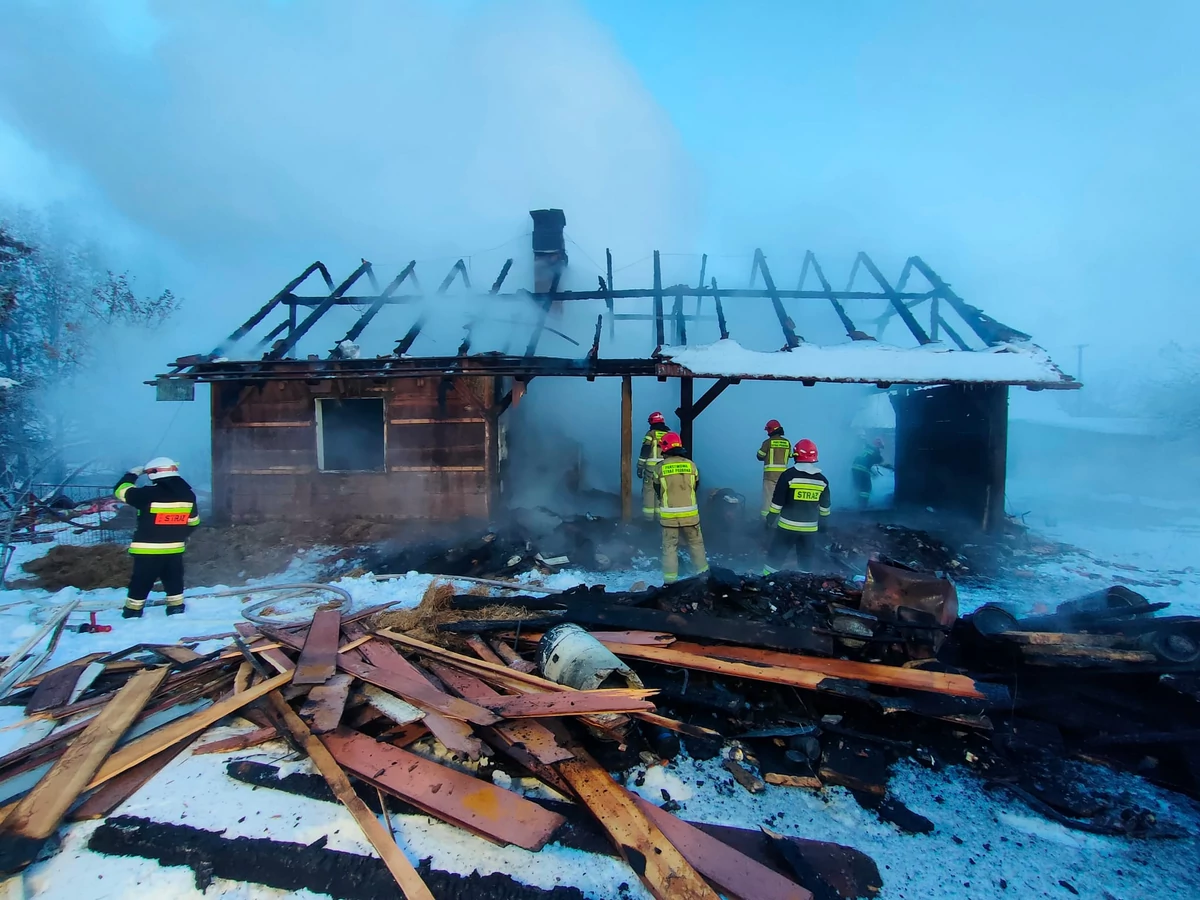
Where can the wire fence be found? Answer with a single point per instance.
(79, 514)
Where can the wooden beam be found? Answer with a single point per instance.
(102, 801)
(658, 305)
(452, 796)
(626, 448)
(38, 815)
(727, 868)
(575, 703)
(661, 867)
(789, 329)
(711, 394)
(796, 670)
(238, 741)
(402, 870)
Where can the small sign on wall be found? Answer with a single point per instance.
(175, 390)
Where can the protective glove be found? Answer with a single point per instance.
(137, 470)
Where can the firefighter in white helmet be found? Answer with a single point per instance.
(166, 514)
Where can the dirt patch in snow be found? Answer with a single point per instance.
(86, 568)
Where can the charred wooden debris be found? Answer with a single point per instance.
(796, 681)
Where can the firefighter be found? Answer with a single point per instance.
(773, 454)
(860, 471)
(166, 514)
(648, 463)
(798, 510)
(678, 512)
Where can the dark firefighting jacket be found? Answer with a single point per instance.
(801, 498)
(651, 455)
(775, 452)
(166, 513)
(867, 460)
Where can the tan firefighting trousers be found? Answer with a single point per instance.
(693, 539)
(770, 479)
(649, 498)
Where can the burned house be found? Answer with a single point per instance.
(407, 434)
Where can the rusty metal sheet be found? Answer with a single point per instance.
(452, 796)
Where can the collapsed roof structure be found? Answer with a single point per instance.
(410, 435)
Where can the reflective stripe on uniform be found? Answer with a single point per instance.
(175, 600)
(824, 510)
(677, 512)
(775, 508)
(182, 506)
(194, 520)
(122, 490)
(149, 549)
(789, 525)
(130, 603)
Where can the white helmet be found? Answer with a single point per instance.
(161, 467)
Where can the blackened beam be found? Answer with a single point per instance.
(680, 325)
(712, 394)
(962, 345)
(469, 328)
(313, 317)
(414, 331)
(897, 303)
(658, 304)
(506, 401)
(271, 335)
(789, 329)
(499, 282)
(506, 366)
(720, 311)
(547, 301)
(700, 283)
(594, 353)
(373, 310)
(245, 328)
(607, 287)
(989, 330)
(810, 259)
(628, 294)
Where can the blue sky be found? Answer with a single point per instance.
(1038, 155)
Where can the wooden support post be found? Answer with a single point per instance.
(720, 312)
(397, 863)
(686, 412)
(626, 448)
(996, 404)
(934, 315)
(711, 394)
(658, 303)
(700, 283)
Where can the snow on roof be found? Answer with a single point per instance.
(870, 362)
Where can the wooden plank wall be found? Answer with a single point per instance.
(441, 458)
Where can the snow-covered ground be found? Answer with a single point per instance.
(984, 846)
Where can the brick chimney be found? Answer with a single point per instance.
(549, 247)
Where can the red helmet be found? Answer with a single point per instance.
(773, 425)
(805, 452)
(656, 418)
(670, 441)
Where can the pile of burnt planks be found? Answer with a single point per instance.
(356, 701)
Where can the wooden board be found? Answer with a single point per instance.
(661, 867)
(178, 655)
(448, 794)
(796, 670)
(479, 645)
(385, 845)
(531, 737)
(145, 747)
(38, 679)
(108, 797)
(413, 688)
(38, 815)
(55, 689)
(323, 708)
(569, 703)
(730, 870)
(238, 741)
(277, 658)
(318, 658)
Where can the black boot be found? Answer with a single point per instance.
(176, 609)
(129, 612)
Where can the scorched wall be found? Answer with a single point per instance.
(332, 450)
